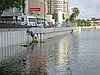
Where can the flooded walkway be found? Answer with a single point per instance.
(71, 54)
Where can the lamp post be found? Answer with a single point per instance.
(23, 6)
(44, 13)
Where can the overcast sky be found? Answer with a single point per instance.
(88, 8)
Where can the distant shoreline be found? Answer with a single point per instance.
(93, 27)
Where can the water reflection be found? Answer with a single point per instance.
(71, 54)
(30, 61)
(10, 51)
(36, 60)
(54, 57)
(63, 54)
(11, 65)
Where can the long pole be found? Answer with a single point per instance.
(44, 13)
(23, 6)
(68, 8)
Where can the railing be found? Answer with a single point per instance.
(11, 24)
(11, 41)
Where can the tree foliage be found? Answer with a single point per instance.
(93, 18)
(83, 22)
(55, 15)
(63, 16)
(7, 4)
(75, 13)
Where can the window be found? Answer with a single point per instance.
(38, 21)
(22, 19)
(31, 20)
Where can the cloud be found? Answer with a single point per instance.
(96, 1)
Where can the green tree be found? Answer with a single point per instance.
(63, 16)
(75, 13)
(88, 23)
(67, 20)
(55, 15)
(7, 4)
(93, 18)
(83, 22)
(78, 21)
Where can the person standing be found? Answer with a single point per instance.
(32, 34)
(34, 38)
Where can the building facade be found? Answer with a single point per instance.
(30, 9)
(60, 5)
(12, 13)
(50, 6)
(39, 8)
(95, 22)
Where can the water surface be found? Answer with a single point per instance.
(70, 54)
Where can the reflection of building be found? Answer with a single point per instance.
(63, 53)
(14, 12)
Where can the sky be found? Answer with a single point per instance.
(88, 8)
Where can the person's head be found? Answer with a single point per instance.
(27, 31)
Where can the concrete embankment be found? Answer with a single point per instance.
(10, 37)
(45, 33)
